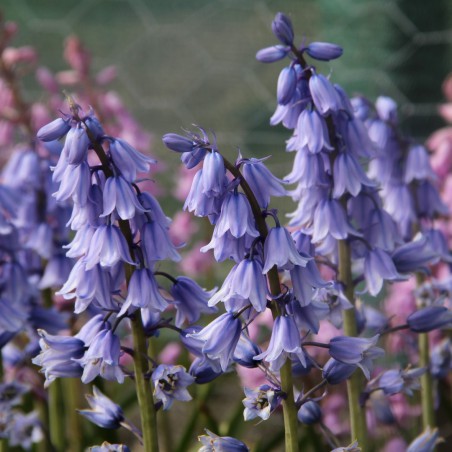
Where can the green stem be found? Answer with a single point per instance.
(355, 383)
(143, 388)
(289, 408)
(73, 389)
(428, 412)
(56, 416)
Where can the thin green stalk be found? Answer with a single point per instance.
(355, 383)
(427, 402)
(57, 428)
(428, 412)
(289, 408)
(143, 388)
(72, 390)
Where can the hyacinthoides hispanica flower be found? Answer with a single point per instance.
(121, 234)
(339, 208)
(240, 227)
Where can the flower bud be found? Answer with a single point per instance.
(324, 51)
(310, 413)
(272, 54)
(177, 143)
(429, 319)
(282, 28)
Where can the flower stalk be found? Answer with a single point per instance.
(141, 365)
(289, 407)
(355, 382)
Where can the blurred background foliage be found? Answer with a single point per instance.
(192, 61)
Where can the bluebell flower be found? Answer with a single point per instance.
(417, 165)
(287, 85)
(75, 182)
(104, 412)
(193, 158)
(310, 412)
(272, 54)
(356, 350)
(288, 114)
(229, 247)
(279, 250)
(199, 202)
(426, 441)
(219, 339)
(395, 380)
(308, 170)
(330, 219)
(75, 149)
(58, 356)
(90, 329)
(246, 281)
(128, 160)
(236, 217)
(414, 256)
(335, 372)
(429, 203)
(285, 341)
(202, 371)
(170, 384)
(178, 143)
(193, 345)
(381, 230)
(260, 402)
(324, 96)
(349, 176)
(102, 358)
(215, 443)
(305, 280)
(311, 133)
(438, 243)
(54, 130)
(428, 319)
(379, 267)
(355, 134)
(282, 28)
(190, 300)
(213, 172)
(107, 447)
(107, 247)
(156, 244)
(245, 351)
(324, 51)
(262, 182)
(143, 292)
(120, 196)
(88, 286)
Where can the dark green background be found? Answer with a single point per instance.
(182, 62)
